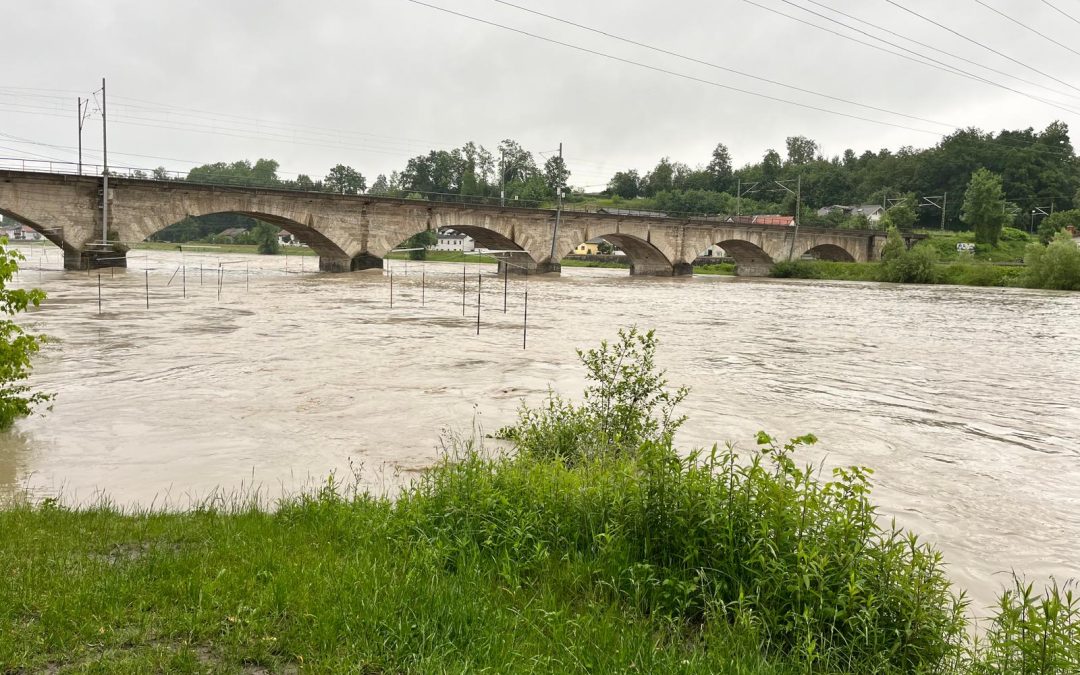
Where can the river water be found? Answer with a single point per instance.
(963, 400)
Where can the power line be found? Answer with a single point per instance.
(673, 73)
(885, 29)
(980, 44)
(1061, 11)
(720, 67)
(940, 65)
(1026, 27)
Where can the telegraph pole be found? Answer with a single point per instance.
(558, 207)
(81, 119)
(105, 168)
(502, 177)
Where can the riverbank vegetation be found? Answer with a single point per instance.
(595, 546)
(17, 345)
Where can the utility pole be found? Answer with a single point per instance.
(558, 207)
(82, 120)
(105, 169)
(932, 201)
(738, 197)
(797, 192)
(502, 177)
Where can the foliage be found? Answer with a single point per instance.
(914, 266)
(626, 405)
(17, 346)
(344, 180)
(901, 215)
(1056, 222)
(266, 237)
(984, 206)
(1032, 634)
(1013, 234)
(894, 245)
(796, 269)
(1056, 266)
(421, 241)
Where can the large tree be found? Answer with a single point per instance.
(984, 206)
(719, 168)
(344, 180)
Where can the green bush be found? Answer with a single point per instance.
(626, 404)
(914, 266)
(796, 269)
(1056, 266)
(968, 273)
(1013, 234)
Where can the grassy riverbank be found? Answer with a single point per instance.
(960, 273)
(596, 547)
(196, 247)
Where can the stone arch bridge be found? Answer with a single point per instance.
(354, 232)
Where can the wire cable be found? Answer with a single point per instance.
(1026, 27)
(1061, 11)
(673, 73)
(980, 44)
(958, 57)
(720, 67)
(940, 65)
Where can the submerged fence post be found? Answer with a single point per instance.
(506, 282)
(220, 280)
(200, 274)
(147, 272)
(184, 277)
(423, 287)
(391, 288)
(525, 321)
(462, 289)
(479, 282)
(99, 293)
(247, 277)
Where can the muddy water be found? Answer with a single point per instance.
(964, 400)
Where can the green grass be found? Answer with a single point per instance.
(1007, 250)
(715, 268)
(961, 273)
(447, 256)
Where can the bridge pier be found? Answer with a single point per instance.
(94, 259)
(522, 263)
(363, 261)
(660, 269)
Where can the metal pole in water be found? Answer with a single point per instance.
(147, 273)
(423, 287)
(99, 293)
(462, 289)
(220, 280)
(391, 288)
(525, 321)
(200, 274)
(506, 282)
(247, 277)
(185, 281)
(479, 281)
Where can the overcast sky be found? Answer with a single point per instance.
(371, 83)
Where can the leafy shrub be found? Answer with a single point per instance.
(16, 345)
(1013, 234)
(1056, 266)
(627, 403)
(796, 269)
(968, 273)
(914, 266)
(1032, 633)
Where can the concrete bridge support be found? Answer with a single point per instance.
(523, 263)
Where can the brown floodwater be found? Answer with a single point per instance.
(963, 400)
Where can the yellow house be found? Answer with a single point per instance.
(587, 248)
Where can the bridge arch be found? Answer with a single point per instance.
(645, 259)
(750, 259)
(331, 256)
(53, 234)
(831, 252)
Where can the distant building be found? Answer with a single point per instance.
(19, 232)
(632, 212)
(286, 238)
(232, 233)
(873, 212)
(594, 246)
(450, 240)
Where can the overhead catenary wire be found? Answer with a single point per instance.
(724, 68)
(672, 73)
(1061, 11)
(973, 41)
(910, 55)
(1041, 34)
(996, 71)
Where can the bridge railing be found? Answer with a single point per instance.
(231, 180)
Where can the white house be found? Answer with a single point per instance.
(449, 240)
(873, 212)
